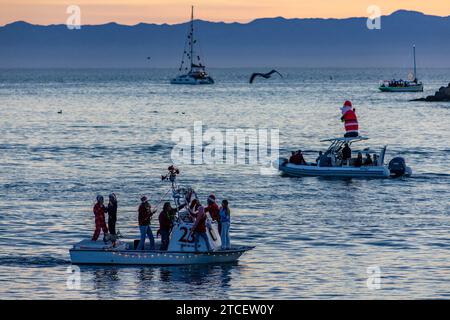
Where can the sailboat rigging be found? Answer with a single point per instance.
(196, 71)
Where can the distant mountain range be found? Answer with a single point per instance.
(262, 42)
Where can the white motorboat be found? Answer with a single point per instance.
(411, 85)
(181, 250)
(196, 71)
(334, 166)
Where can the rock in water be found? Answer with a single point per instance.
(442, 95)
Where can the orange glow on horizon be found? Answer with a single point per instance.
(175, 11)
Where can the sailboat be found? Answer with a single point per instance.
(403, 85)
(196, 72)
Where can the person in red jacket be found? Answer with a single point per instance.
(213, 210)
(145, 215)
(350, 120)
(193, 208)
(199, 228)
(99, 213)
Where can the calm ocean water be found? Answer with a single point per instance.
(314, 237)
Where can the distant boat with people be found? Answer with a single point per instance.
(191, 64)
(337, 161)
(411, 85)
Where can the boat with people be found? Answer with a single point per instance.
(410, 85)
(337, 161)
(184, 246)
(196, 71)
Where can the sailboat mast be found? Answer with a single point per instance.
(192, 36)
(415, 69)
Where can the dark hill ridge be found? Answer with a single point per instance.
(262, 42)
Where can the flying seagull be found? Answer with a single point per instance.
(264, 75)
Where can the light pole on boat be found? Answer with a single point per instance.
(414, 54)
(192, 36)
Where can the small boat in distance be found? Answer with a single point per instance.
(333, 165)
(196, 72)
(411, 85)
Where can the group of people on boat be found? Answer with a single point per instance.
(297, 158)
(202, 216)
(359, 161)
(401, 83)
(100, 222)
(345, 158)
(199, 215)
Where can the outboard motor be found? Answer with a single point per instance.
(397, 167)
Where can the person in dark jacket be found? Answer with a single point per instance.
(145, 215)
(346, 153)
(359, 160)
(112, 214)
(166, 218)
(368, 161)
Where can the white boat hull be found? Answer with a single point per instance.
(418, 88)
(133, 257)
(351, 172)
(191, 80)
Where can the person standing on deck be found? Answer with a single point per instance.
(112, 215)
(199, 228)
(193, 209)
(350, 120)
(166, 218)
(213, 210)
(225, 221)
(145, 215)
(99, 213)
(346, 154)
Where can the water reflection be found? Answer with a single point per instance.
(150, 281)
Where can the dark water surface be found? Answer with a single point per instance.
(314, 237)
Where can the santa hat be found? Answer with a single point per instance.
(212, 197)
(347, 103)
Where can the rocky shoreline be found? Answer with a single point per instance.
(443, 94)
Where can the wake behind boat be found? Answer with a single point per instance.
(337, 161)
(196, 70)
(182, 248)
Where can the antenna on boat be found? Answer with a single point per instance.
(192, 37)
(171, 176)
(415, 70)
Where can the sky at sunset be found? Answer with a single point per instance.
(174, 11)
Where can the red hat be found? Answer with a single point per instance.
(144, 198)
(347, 103)
(212, 197)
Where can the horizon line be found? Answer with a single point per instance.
(223, 22)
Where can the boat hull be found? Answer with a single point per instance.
(191, 80)
(418, 88)
(134, 257)
(340, 172)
